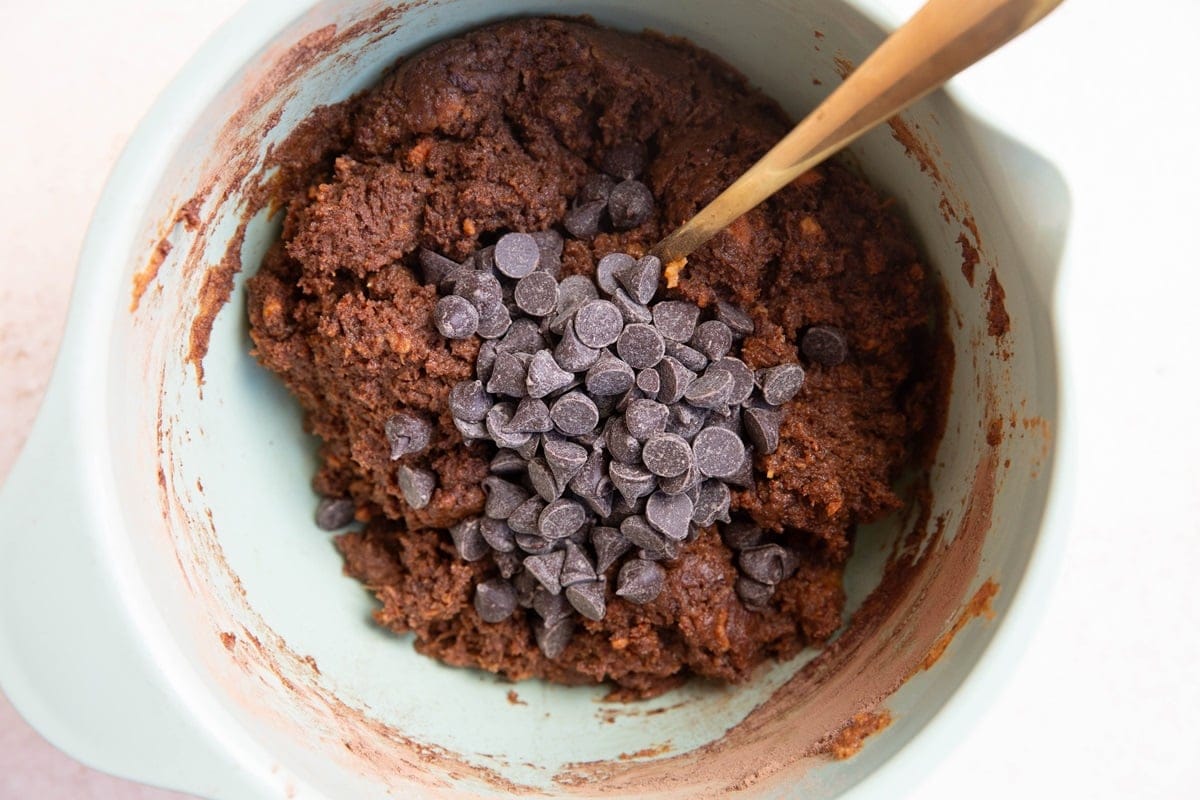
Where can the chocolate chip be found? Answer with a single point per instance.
(645, 418)
(824, 345)
(623, 446)
(598, 323)
(468, 541)
(503, 497)
(471, 430)
(631, 310)
(561, 518)
(743, 378)
(631, 480)
(542, 480)
(589, 476)
(639, 532)
(494, 321)
(436, 269)
(682, 483)
(552, 640)
(495, 600)
(576, 567)
(533, 544)
(550, 248)
(628, 506)
(334, 513)
(532, 416)
(740, 535)
(752, 592)
(547, 568)
(508, 376)
(574, 413)
(485, 259)
(595, 187)
(485, 360)
(738, 320)
(669, 515)
(719, 452)
(762, 428)
(744, 477)
(416, 485)
(710, 390)
(609, 545)
(545, 375)
(583, 221)
(764, 563)
(506, 462)
(574, 291)
(517, 254)
(565, 459)
(673, 380)
(469, 401)
(526, 586)
(666, 455)
(587, 598)
(713, 339)
(640, 581)
(524, 518)
(609, 376)
(509, 564)
(690, 357)
(522, 336)
(572, 354)
(686, 420)
(640, 346)
(536, 294)
(599, 499)
(480, 289)
(629, 205)
(497, 534)
(780, 384)
(406, 434)
(712, 503)
(625, 161)
(649, 382)
(676, 319)
(727, 417)
(608, 268)
(551, 607)
(641, 279)
(528, 448)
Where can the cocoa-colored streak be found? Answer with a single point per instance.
(997, 314)
(970, 258)
(145, 276)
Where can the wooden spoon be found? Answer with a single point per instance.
(943, 38)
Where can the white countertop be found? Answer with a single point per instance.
(1104, 703)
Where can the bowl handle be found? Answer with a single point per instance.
(71, 659)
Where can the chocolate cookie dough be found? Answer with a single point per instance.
(507, 130)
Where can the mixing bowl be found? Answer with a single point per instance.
(169, 613)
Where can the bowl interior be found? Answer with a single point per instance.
(281, 649)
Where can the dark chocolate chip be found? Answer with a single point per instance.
(641, 279)
(719, 452)
(713, 339)
(406, 433)
(550, 248)
(494, 321)
(334, 513)
(640, 346)
(640, 581)
(623, 446)
(517, 254)
(552, 640)
(780, 384)
(631, 480)
(436, 269)
(536, 294)
(545, 375)
(727, 417)
(485, 259)
(542, 480)
(682, 483)
(532, 416)
(480, 289)
(676, 319)
(528, 448)
(469, 401)
(573, 291)
(624, 161)
(551, 607)
(669, 515)
(509, 564)
(576, 567)
(506, 462)
(824, 345)
(595, 187)
(598, 323)
(762, 428)
(497, 534)
(587, 598)
(526, 586)
(523, 336)
(574, 413)
(503, 497)
(588, 478)
(583, 221)
(547, 568)
(764, 563)
(565, 459)
(689, 357)
(686, 420)
(609, 376)
(649, 382)
(738, 320)
(667, 455)
(468, 540)
(495, 600)
(471, 430)
(712, 503)
(608, 268)
(533, 544)
(497, 420)
(673, 380)
(572, 354)
(752, 592)
(631, 310)
(710, 390)
(744, 477)
(524, 518)
(609, 545)
(629, 205)
(645, 418)
(743, 378)
(416, 485)
(561, 518)
(741, 534)
(485, 360)
(640, 534)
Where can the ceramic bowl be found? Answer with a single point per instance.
(169, 613)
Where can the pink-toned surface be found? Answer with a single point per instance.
(75, 78)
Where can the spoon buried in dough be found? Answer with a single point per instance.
(943, 38)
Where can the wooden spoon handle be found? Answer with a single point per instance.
(943, 38)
